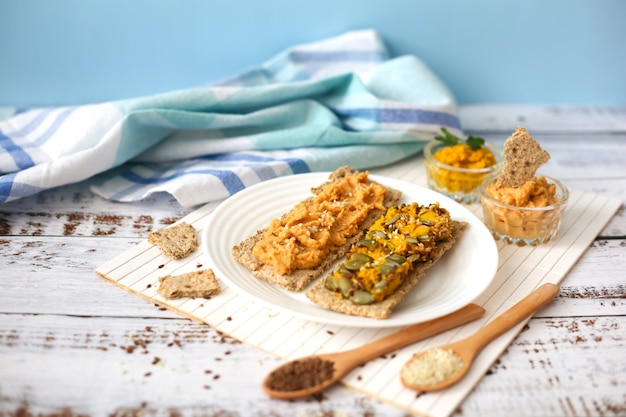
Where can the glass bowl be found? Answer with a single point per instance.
(460, 184)
(523, 225)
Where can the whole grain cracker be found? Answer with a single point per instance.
(200, 283)
(176, 241)
(522, 157)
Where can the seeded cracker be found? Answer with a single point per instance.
(176, 241)
(192, 284)
(522, 157)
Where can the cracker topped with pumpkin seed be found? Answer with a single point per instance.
(376, 265)
(388, 261)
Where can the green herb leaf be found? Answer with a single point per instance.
(475, 142)
(448, 138)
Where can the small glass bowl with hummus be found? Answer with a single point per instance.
(531, 214)
(457, 171)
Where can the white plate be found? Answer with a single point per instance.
(453, 282)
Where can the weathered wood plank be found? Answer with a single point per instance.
(156, 364)
(73, 210)
(548, 358)
(545, 119)
(596, 274)
(55, 275)
(124, 366)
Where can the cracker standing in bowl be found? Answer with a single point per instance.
(520, 207)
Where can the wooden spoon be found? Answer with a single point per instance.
(434, 369)
(303, 377)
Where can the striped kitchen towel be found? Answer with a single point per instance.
(314, 107)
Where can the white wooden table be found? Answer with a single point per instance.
(72, 343)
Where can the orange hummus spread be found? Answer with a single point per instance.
(317, 226)
(462, 155)
(534, 193)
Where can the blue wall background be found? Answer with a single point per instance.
(55, 52)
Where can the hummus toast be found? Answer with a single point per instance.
(297, 248)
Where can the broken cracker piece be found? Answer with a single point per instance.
(191, 284)
(522, 157)
(176, 241)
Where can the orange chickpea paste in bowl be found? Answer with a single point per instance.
(457, 168)
(518, 206)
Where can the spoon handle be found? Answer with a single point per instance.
(522, 309)
(412, 334)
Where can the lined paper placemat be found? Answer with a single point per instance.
(520, 270)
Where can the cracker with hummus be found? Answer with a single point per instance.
(518, 184)
(383, 267)
(520, 206)
(297, 248)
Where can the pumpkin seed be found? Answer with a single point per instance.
(380, 285)
(393, 219)
(412, 240)
(423, 238)
(387, 267)
(362, 257)
(428, 222)
(344, 285)
(344, 272)
(331, 283)
(354, 265)
(399, 259)
(415, 258)
(362, 298)
(368, 243)
(378, 234)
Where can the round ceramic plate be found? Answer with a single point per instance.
(460, 276)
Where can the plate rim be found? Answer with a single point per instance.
(344, 320)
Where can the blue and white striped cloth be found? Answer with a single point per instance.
(314, 107)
